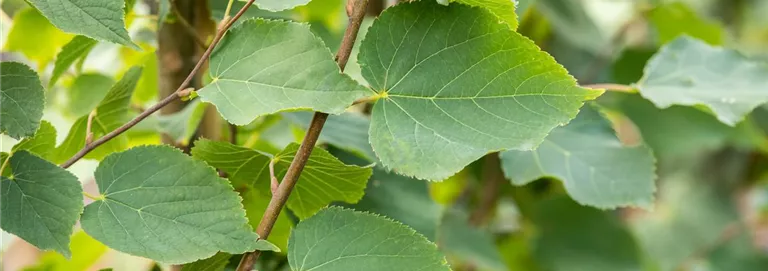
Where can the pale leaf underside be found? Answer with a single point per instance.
(690, 72)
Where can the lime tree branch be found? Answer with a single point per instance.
(225, 24)
(280, 196)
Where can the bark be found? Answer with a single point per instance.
(177, 54)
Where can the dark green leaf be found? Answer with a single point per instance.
(216, 263)
(111, 113)
(159, 203)
(325, 179)
(287, 69)
(101, 20)
(348, 131)
(86, 92)
(42, 144)
(404, 199)
(595, 167)
(40, 202)
(576, 238)
(23, 100)
(340, 239)
(439, 70)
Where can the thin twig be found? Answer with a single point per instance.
(285, 187)
(273, 184)
(187, 26)
(612, 87)
(167, 100)
(88, 126)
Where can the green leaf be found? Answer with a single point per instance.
(86, 92)
(478, 69)
(674, 19)
(570, 20)
(403, 199)
(180, 126)
(159, 203)
(23, 100)
(288, 68)
(348, 131)
(40, 202)
(77, 48)
(216, 263)
(692, 214)
(739, 254)
(589, 159)
(573, 237)
(341, 239)
(86, 251)
(504, 9)
(690, 72)
(111, 113)
(42, 144)
(675, 133)
(325, 179)
(101, 20)
(35, 37)
(255, 203)
(476, 246)
(278, 5)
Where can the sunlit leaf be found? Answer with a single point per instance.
(86, 251)
(325, 179)
(23, 100)
(674, 19)
(690, 72)
(255, 203)
(159, 203)
(504, 9)
(101, 20)
(35, 37)
(288, 68)
(216, 263)
(78, 48)
(595, 167)
(42, 144)
(40, 202)
(456, 84)
(86, 91)
(340, 239)
(278, 5)
(111, 113)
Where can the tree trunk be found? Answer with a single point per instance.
(177, 53)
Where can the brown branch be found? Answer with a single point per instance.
(233, 134)
(285, 187)
(489, 194)
(191, 31)
(167, 100)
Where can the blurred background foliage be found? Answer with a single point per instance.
(711, 209)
